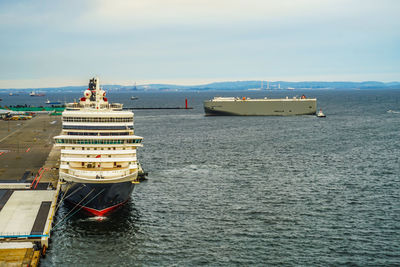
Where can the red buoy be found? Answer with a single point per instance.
(186, 103)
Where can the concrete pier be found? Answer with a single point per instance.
(27, 209)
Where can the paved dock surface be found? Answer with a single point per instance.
(20, 212)
(26, 145)
(26, 215)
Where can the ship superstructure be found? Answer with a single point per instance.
(98, 152)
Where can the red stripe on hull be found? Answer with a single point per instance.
(102, 212)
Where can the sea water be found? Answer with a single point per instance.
(242, 191)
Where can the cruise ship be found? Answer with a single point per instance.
(234, 106)
(98, 164)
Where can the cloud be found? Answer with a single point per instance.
(194, 39)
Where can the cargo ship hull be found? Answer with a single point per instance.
(260, 107)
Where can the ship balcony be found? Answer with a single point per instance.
(104, 174)
(125, 125)
(100, 159)
(84, 158)
(127, 140)
(97, 146)
(102, 168)
(98, 152)
(77, 106)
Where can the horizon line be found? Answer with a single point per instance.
(186, 84)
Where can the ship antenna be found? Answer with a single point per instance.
(97, 83)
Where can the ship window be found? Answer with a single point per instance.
(95, 148)
(73, 148)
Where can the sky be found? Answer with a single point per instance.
(61, 43)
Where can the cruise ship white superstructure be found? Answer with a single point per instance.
(98, 152)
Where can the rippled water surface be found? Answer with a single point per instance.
(240, 191)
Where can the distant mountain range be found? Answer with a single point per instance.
(234, 85)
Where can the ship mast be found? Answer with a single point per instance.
(98, 96)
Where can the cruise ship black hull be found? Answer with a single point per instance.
(99, 199)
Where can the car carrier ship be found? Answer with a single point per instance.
(235, 106)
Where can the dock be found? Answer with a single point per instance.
(154, 108)
(28, 188)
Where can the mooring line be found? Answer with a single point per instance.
(74, 207)
(65, 195)
(80, 207)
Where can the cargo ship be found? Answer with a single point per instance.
(98, 164)
(235, 106)
(33, 93)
